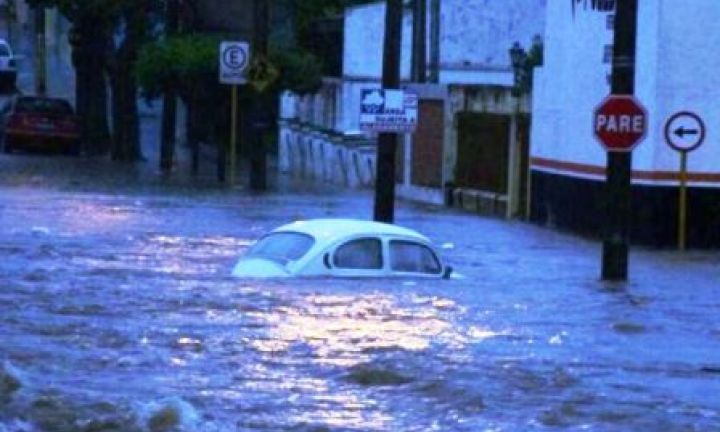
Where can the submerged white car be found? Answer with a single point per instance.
(344, 248)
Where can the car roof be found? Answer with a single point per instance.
(331, 229)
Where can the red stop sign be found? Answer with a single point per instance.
(620, 123)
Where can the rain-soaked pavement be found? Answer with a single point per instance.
(117, 314)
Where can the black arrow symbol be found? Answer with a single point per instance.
(681, 132)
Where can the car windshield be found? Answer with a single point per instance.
(282, 246)
(45, 106)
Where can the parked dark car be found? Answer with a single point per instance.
(39, 123)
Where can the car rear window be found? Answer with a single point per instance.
(283, 246)
(44, 106)
(411, 257)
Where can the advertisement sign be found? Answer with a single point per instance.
(388, 111)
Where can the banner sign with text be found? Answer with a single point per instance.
(388, 111)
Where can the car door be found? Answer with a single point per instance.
(358, 257)
(413, 258)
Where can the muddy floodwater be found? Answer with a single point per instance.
(117, 313)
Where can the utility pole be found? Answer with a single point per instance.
(419, 44)
(169, 112)
(619, 164)
(387, 141)
(435, 41)
(258, 155)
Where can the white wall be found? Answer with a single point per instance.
(571, 83)
(363, 45)
(475, 38)
(480, 32)
(676, 70)
(687, 77)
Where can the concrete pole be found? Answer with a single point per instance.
(419, 44)
(387, 142)
(258, 155)
(619, 164)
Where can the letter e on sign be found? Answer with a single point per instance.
(620, 123)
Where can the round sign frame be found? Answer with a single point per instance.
(230, 49)
(669, 133)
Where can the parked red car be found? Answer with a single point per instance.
(39, 123)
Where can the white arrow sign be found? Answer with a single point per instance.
(684, 131)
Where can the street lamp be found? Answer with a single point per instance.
(518, 59)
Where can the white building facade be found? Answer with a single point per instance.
(675, 71)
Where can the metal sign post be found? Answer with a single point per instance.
(233, 134)
(682, 202)
(684, 132)
(234, 60)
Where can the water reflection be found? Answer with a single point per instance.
(346, 330)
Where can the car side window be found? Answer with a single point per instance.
(411, 257)
(360, 254)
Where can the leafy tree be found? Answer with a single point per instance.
(312, 29)
(105, 37)
(188, 65)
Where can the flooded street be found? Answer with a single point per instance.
(117, 313)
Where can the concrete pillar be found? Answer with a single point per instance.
(514, 174)
(456, 98)
(408, 142)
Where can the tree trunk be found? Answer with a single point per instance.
(89, 55)
(169, 120)
(193, 134)
(126, 123)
